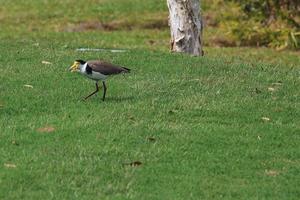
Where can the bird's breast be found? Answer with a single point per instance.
(96, 76)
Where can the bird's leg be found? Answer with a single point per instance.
(104, 90)
(97, 89)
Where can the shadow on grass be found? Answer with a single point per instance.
(119, 99)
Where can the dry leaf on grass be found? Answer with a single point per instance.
(134, 163)
(9, 165)
(28, 86)
(14, 142)
(131, 117)
(277, 83)
(271, 89)
(172, 111)
(46, 129)
(271, 173)
(151, 139)
(266, 119)
(258, 137)
(46, 62)
(257, 91)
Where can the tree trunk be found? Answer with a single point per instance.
(186, 26)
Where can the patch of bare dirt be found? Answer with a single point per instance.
(9, 165)
(155, 24)
(84, 26)
(46, 129)
(271, 173)
(222, 42)
(114, 25)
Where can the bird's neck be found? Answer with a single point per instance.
(83, 68)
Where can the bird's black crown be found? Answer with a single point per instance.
(81, 61)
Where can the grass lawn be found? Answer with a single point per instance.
(224, 126)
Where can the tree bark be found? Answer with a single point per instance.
(186, 26)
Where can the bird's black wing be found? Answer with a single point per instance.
(106, 68)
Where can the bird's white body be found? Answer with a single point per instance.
(94, 75)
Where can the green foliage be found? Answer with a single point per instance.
(272, 23)
(252, 23)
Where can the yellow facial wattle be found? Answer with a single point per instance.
(74, 67)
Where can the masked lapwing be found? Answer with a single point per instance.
(98, 71)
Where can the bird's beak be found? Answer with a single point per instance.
(73, 68)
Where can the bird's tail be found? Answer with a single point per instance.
(126, 70)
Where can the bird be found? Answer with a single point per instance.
(97, 70)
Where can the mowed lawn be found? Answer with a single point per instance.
(223, 126)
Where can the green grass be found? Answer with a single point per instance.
(194, 123)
